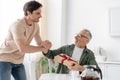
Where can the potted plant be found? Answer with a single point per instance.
(45, 65)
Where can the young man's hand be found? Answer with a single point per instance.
(46, 45)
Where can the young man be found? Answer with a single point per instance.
(75, 56)
(17, 43)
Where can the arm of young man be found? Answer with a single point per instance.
(20, 39)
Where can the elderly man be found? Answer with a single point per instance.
(74, 56)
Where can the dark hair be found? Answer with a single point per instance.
(31, 6)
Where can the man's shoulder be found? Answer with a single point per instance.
(18, 25)
(18, 22)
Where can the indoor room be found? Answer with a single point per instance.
(61, 21)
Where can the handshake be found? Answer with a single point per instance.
(45, 46)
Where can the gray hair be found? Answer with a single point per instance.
(89, 35)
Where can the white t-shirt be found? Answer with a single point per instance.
(77, 53)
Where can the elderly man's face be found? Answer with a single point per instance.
(81, 39)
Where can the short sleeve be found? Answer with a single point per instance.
(18, 31)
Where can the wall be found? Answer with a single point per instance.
(56, 22)
(93, 15)
(66, 20)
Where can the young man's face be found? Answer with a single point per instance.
(35, 15)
